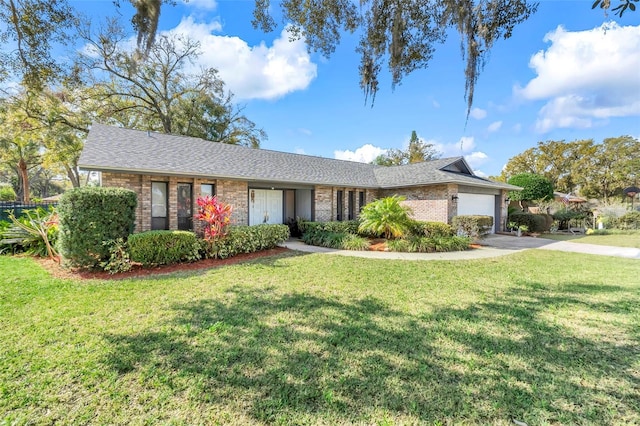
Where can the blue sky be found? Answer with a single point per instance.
(567, 73)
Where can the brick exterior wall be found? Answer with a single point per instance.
(232, 192)
(323, 202)
(428, 203)
(236, 194)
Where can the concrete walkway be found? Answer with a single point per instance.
(492, 246)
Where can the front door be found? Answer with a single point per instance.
(185, 207)
(265, 206)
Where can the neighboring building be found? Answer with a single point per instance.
(169, 172)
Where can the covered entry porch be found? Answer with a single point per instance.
(273, 205)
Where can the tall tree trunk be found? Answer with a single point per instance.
(74, 177)
(24, 177)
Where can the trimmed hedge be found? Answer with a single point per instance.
(421, 244)
(153, 248)
(430, 229)
(474, 226)
(88, 217)
(246, 239)
(533, 222)
(345, 227)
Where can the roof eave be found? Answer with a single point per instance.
(95, 168)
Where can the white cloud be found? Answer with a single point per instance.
(478, 113)
(464, 147)
(365, 154)
(435, 104)
(252, 72)
(476, 159)
(517, 128)
(305, 132)
(586, 76)
(494, 127)
(201, 4)
(301, 151)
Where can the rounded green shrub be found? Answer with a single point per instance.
(430, 229)
(164, 247)
(246, 239)
(630, 220)
(90, 216)
(534, 222)
(7, 193)
(474, 226)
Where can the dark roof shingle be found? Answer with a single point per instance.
(132, 151)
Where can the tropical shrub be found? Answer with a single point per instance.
(474, 226)
(153, 248)
(246, 239)
(35, 231)
(385, 217)
(355, 242)
(88, 217)
(216, 216)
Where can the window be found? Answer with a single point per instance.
(159, 197)
(352, 205)
(360, 200)
(340, 205)
(207, 189)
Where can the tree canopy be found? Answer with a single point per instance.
(418, 151)
(404, 33)
(158, 92)
(594, 170)
(534, 188)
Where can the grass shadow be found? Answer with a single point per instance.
(301, 358)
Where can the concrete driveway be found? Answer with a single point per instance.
(492, 246)
(508, 242)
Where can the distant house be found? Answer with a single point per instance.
(169, 172)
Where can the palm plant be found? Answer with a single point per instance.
(386, 216)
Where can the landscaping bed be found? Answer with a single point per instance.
(138, 271)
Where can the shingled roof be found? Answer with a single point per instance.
(115, 149)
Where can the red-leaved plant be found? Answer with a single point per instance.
(216, 216)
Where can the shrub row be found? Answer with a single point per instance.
(474, 226)
(337, 240)
(153, 248)
(430, 229)
(246, 239)
(88, 217)
(534, 222)
(346, 227)
(418, 244)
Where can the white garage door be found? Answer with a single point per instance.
(477, 204)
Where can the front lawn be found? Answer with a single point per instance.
(539, 337)
(619, 239)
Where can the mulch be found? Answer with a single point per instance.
(138, 271)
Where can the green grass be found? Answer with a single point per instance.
(626, 239)
(541, 337)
